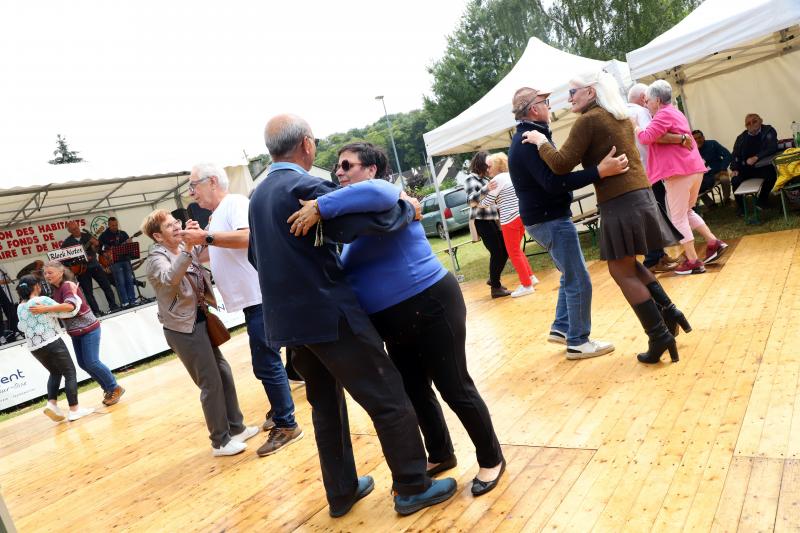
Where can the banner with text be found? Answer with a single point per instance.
(38, 239)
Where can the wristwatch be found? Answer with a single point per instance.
(209, 239)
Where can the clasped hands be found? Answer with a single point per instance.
(305, 218)
(193, 234)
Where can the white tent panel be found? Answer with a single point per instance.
(489, 122)
(745, 30)
(719, 104)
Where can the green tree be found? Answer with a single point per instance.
(63, 154)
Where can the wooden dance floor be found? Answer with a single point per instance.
(606, 444)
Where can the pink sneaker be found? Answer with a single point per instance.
(714, 251)
(690, 267)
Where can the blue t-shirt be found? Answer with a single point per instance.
(387, 269)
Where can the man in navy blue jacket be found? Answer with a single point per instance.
(544, 205)
(308, 305)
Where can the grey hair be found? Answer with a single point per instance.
(283, 141)
(206, 170)
(660, 89)
(607, 92)
(636, 91)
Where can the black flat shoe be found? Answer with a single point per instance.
(482, 487)
(445, 465)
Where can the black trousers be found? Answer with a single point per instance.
(9, 309)
(85, 281)
(768, 173)
(660, 193)
(358, 364)
(425, 336)
(492, 238)
(56, 359)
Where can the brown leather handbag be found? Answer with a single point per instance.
(218, 334)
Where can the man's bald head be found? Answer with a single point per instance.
(284, 133)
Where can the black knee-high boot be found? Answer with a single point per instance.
(660, 339)
(673, 316)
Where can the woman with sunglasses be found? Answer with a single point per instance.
(416, 306)
(631, 223)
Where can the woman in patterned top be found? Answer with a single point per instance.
(504, 198)
(42, 332)
(83, 329)
(486, 220)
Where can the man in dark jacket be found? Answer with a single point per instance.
(751, 158)
(544, 205)
(308, 305)
(717, 158)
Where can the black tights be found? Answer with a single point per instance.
(492, 237)
(632, 278)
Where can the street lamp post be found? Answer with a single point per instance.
(391, 137)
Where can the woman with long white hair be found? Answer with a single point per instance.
(631, 223)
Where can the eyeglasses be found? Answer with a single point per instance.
(546, 102)
(346, 165)
(316, 141)
(576, 89)
(193, 184)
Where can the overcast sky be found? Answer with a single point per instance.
(197, 80)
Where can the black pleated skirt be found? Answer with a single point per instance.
(634, 224)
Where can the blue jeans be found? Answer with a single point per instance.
(574, 308)
(87, 352)
(123, 279)
(268, 368)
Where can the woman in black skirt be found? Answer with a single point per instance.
(631, 222)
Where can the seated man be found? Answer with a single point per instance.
(754, 144)
(717, 159)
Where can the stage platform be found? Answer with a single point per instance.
(605, 444)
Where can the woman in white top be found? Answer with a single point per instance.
(502, 194)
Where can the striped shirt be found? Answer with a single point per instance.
(504, 197)
(476, 189)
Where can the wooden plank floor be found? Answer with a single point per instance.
(606, 444)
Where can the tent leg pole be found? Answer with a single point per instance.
(444, 223)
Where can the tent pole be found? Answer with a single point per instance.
(439, 199)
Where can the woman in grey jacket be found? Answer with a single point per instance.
(183, 290)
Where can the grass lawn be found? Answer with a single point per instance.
(474, 259)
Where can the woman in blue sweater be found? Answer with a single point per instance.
(417, 307)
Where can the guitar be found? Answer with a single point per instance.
(106, 257)
(79, 268)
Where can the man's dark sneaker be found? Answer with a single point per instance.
(365, 486)
(499, 292)
(439, 491)
(269, 423)
(279, 438)
(690, 267)
(714, 251)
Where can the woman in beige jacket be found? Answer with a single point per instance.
(183, 291)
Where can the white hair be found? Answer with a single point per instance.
(660, 89)
(206, 170)
(607, 90)
(636, 91)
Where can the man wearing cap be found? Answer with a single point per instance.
(544, 205)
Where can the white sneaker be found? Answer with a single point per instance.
(557, 337)
(54, 413)
(534, 280)
(80, 413)
(589, 349)
(522, 290)
(232, 448)
(249, 432)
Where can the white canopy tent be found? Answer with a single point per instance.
(728, 58)
(489, 123)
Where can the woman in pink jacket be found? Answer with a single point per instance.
(682, 172)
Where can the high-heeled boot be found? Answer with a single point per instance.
(660, 339)
(673, 316)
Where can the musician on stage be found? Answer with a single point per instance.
(86, 270)
(8, 307)
(121, 268)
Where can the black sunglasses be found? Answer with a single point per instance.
(576, 89)
(346, 165)
(316, 141)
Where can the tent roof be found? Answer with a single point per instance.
(487, 123)
(54, 191)
(749, 30)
